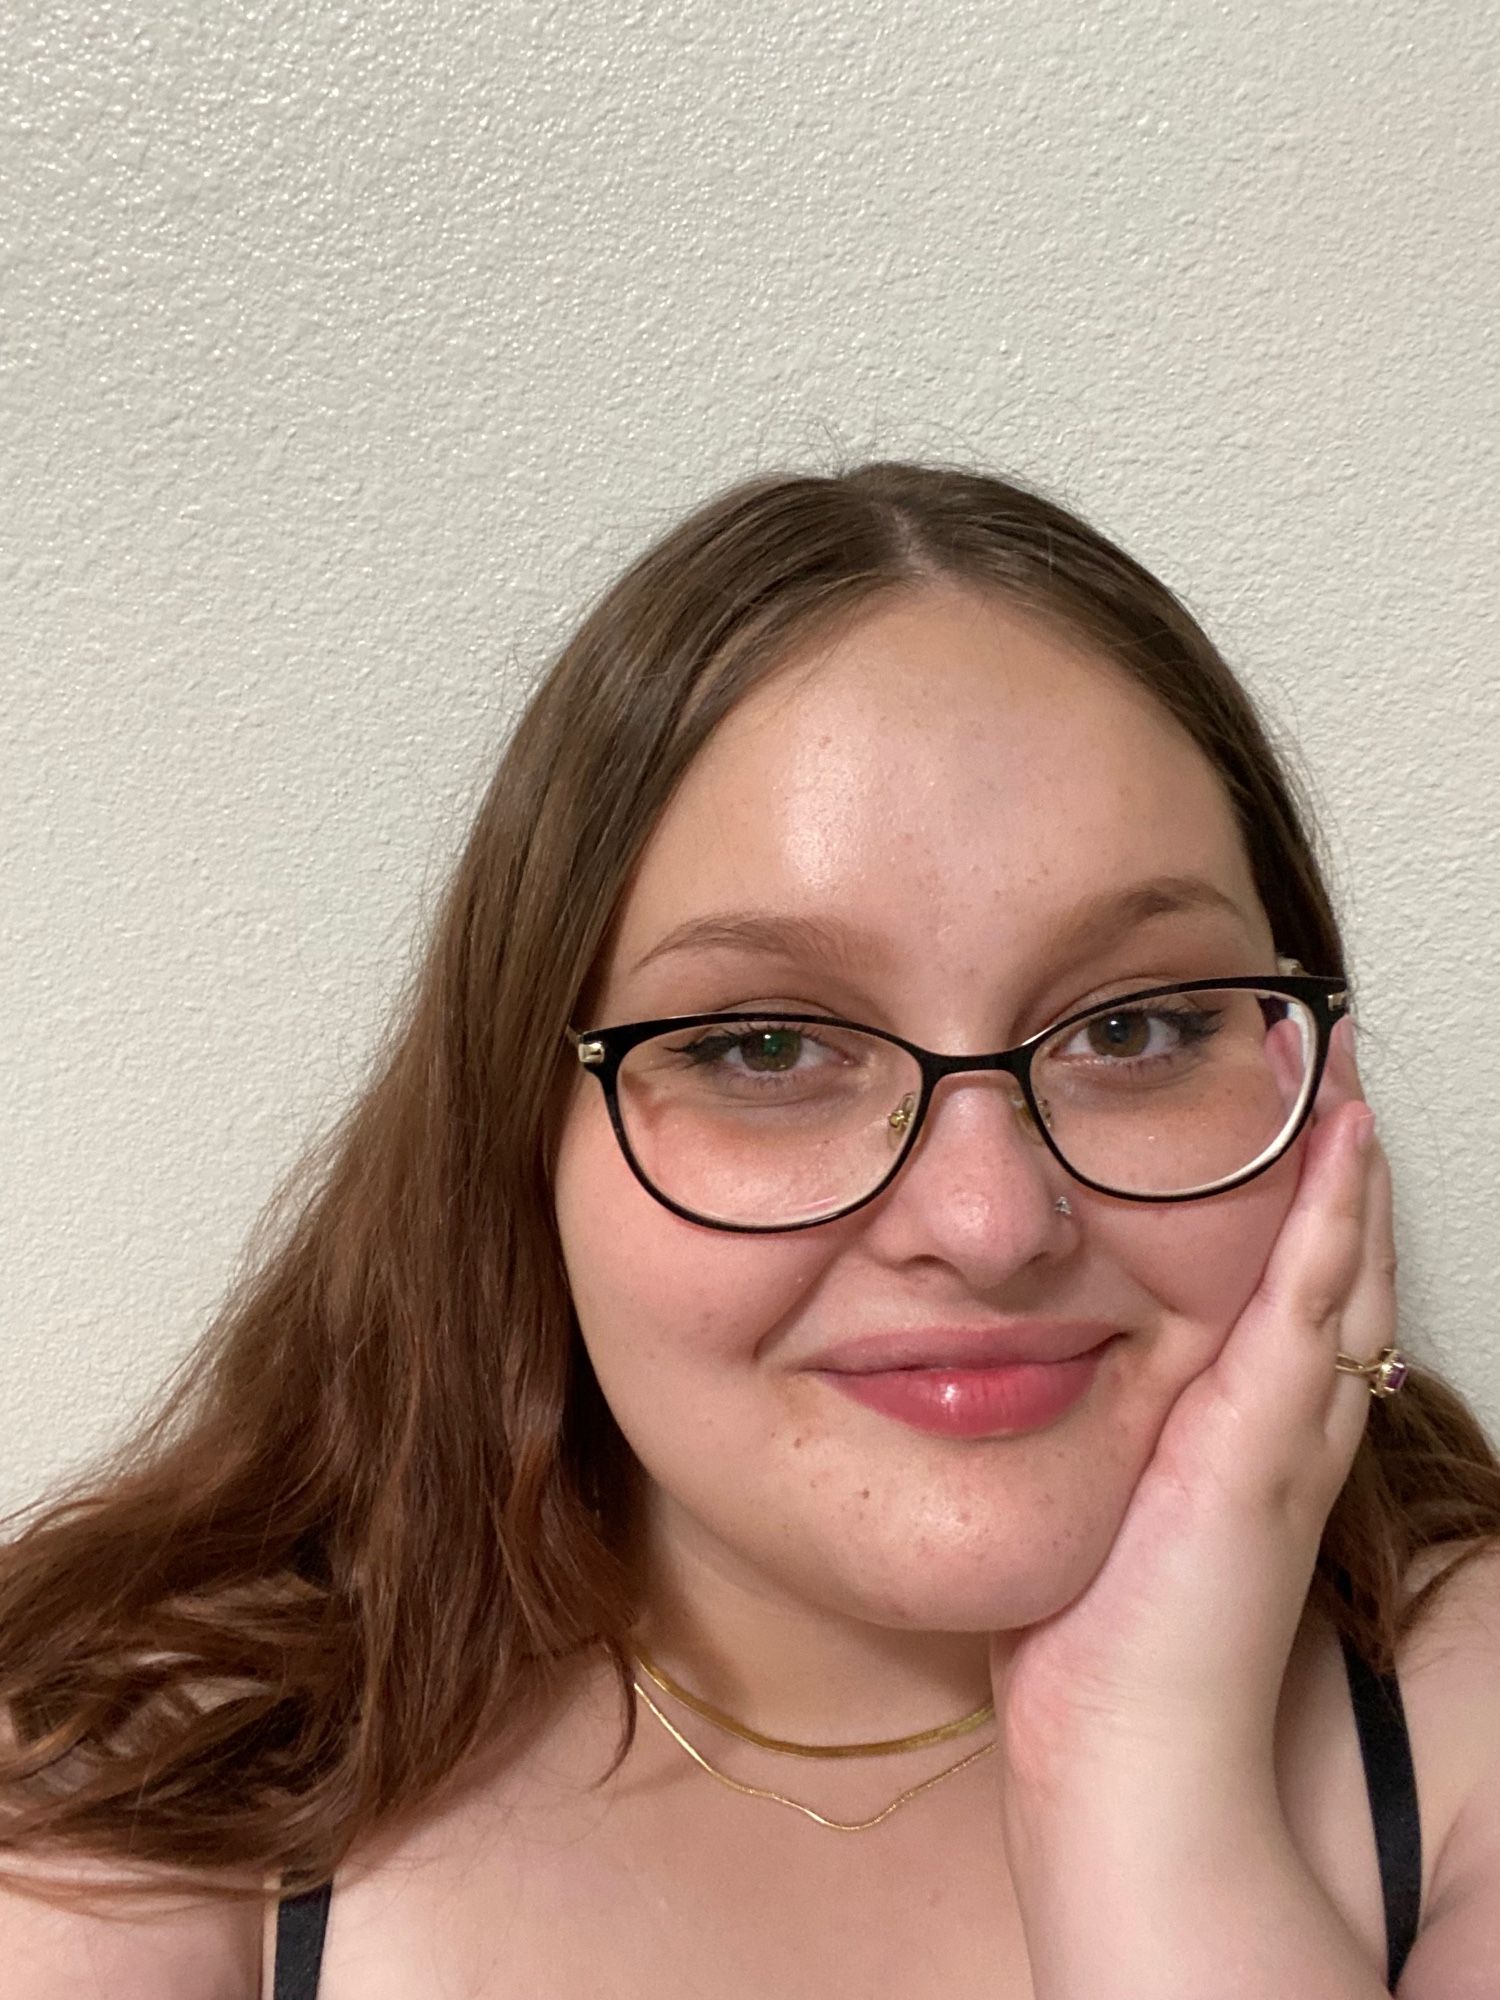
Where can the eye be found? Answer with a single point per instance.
(764, 1064)
(761, 1050)
(1129, 1038)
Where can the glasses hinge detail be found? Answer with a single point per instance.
(591, 1054)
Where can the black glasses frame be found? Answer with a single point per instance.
(602, 1050)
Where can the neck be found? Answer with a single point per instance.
(791, 1669)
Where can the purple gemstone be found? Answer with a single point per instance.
(1395, 1373)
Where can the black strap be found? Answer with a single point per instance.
(1385, 1746)
(301, 1922)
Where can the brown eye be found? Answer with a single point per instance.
(1120, 1034)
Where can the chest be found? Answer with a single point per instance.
(667, 1887)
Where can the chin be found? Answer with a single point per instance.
(1007, 1606)
(964, 1588)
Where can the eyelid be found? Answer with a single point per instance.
(871, 1016)
(1122, 989)
(783, 1006)
(1115, 989)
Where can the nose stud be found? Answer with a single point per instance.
(1063, 1205)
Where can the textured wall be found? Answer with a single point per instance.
(347, 351)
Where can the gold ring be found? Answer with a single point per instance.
(1387, 1373)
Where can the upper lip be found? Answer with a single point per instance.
(965, 1346)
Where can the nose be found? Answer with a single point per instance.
(979, 1186)
(906, 1110)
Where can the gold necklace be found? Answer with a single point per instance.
(942, 1733)
(758, 1792)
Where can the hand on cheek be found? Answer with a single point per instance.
(1178, 1646)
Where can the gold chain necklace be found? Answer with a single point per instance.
(943, 1733)
(779, 1798)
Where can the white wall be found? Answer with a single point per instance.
(348, 349)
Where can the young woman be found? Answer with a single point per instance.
(832, 1421)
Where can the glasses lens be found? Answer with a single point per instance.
(1176, 1094)
(768, 1122)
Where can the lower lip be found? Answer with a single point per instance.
(975, 1402)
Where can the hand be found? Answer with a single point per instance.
(1178, 1647)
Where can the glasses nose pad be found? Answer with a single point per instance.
(899, 1121)
(901, 1118)
(1024, 1113)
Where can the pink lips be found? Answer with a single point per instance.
(971, 1382)
(973, 1402)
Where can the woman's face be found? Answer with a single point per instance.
(962, 793)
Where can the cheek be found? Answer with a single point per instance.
(663, 1305)
(1201, 1261)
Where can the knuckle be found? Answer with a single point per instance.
(1324, 1303)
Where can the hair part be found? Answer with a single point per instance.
(385, 1510)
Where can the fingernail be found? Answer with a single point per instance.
(1364, 1132)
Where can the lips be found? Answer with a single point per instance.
(998, 1344)
(972, 1403)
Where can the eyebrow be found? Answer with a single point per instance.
(1096, 923)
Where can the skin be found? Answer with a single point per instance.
(954, 779)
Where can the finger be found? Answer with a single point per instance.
(1341, 1079)
(1369, 1320)
(1281, 1352)
(1300, 1437)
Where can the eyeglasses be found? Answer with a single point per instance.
(776, 1121)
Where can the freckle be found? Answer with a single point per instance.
(864, 1492)
(797, 1444)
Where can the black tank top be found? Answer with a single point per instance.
(1379, 1715)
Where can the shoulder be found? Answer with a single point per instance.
(1448, 1663)
(1449, 1668)
(1467, 1605)
(64, 1936)
(76, 1928)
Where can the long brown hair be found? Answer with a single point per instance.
(383, 1508)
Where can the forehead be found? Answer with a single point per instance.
(947, 769)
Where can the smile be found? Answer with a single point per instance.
(997, 1401)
